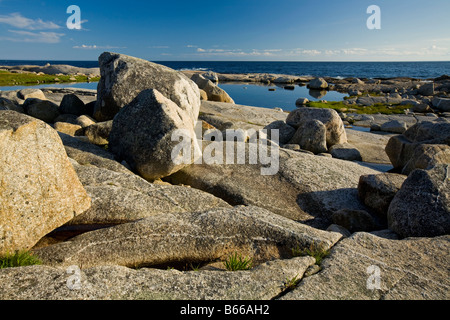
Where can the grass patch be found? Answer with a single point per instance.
(237, 262)
(340, 106)
(12, 79)
(314, 251)
(18, 259)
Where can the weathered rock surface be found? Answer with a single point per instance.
(120, 198)
(120, 283)
(304, 188)
(197, 237)
(377, 191)
(39, 188)
(124, 77)
(330, 118)
(421, 208)
(142, 135)
(410, 269)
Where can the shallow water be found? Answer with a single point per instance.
(258, 95)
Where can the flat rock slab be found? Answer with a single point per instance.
(120, 283)
(305, 188)
(240, 117)
(410, 269)
(120, 197)
(370, 145)
(189, 238)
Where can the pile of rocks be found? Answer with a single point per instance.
(90, 186)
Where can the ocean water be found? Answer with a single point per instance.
(420, 70)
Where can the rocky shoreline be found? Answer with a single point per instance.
(90, 187)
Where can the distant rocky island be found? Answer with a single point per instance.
(90, 189)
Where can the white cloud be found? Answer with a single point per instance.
(18, 21)
(95, 47)
(28, 36)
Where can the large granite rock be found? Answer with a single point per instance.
(142, 135)
(421, 208)
(335, 127)
(365, 267)
(124, 77)
(400, 149)
(39, 188)
(189, 237)
(264, 282)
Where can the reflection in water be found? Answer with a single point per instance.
(318, 94)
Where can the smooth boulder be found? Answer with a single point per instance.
(124, 77)
(142, 135)
(335, 127)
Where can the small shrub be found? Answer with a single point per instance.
(236, 262)
(291, 284)
(18, 259)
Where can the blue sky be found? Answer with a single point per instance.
(258, 30)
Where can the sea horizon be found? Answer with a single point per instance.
(336, 69)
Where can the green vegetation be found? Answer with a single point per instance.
(18, 259)
(12, 79)
(291, 284)
(314, 251)
(236, 262)
(340, 106)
